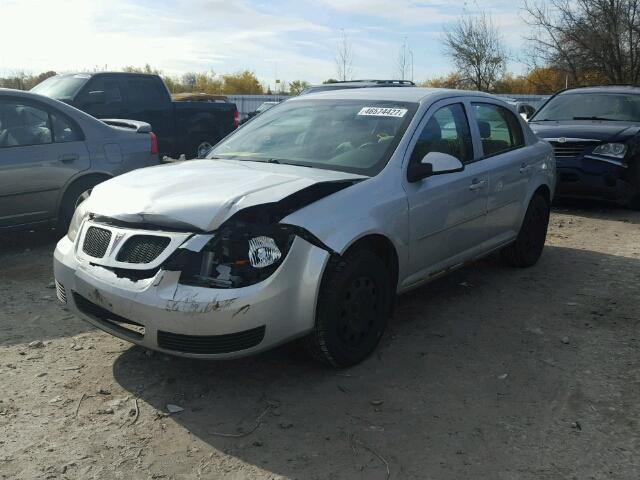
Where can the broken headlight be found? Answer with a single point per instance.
(234, 257)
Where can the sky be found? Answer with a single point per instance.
(283, 39)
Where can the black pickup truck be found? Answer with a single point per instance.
(189, 128)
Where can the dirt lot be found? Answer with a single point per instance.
(491, 373)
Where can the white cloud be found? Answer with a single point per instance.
(201, 35)
(406, 12)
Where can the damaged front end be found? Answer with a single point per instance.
(250, 246)
(244, 250)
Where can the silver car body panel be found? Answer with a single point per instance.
(34, 178)
(202, 194)
(434, 225)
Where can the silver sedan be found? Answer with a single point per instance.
(307, 222)
(52, 155)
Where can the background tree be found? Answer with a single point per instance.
(344, 57)
(298, 86)
(590, 40)
(242, 83)
(451, 80)
(476, 48)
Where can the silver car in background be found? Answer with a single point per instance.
(307, 222)
(52, 155)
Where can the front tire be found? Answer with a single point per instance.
(354, 304)
(527, 248)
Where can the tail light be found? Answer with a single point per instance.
(154, 144)
(236, 118)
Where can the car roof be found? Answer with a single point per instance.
(397, 94)
(603, 89)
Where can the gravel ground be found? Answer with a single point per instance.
(492, 373)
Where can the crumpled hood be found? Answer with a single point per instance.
(587, 129)
(201, 193)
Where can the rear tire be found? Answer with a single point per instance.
(77, 193)
(527, 248)
(354, 305)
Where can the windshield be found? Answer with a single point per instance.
(61, 86)
(591, 106)
(346, 135)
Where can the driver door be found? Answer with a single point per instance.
(447, 212)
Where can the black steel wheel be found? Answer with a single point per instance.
(354, 305)
(527, 248)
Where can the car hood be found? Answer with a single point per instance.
(202, 194)
(585, 129)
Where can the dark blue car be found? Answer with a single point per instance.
(595, 135)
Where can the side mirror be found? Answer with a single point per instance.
(433, 163)
(96, 97)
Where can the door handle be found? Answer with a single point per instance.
(477, 184)
(68, 158)
(524, 168)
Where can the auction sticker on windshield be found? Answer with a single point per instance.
(383, 112)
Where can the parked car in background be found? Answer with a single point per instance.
(595, 135)
(262, 108)
(306, 222)
(357, 84)
(182, 127)
(524, 109)
(52, 155)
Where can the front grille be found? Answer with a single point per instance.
(142, 249)
(569, 149)
(112, 320)
(211, 344)
(96, 242)
(60, 292)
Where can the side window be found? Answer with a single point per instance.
(110, 87)
(143, 91)
(447, 131)
(500, 130)
(64, 130)
(22, 124)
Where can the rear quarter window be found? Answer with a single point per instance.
(500, 130)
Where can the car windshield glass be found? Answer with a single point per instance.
(591, 106)
(347, 135)
(61, 86)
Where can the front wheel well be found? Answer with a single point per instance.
(544, 192)
(383, 248)
(89, 179)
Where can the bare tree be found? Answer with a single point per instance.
(344, 57)
(590, 40)
(476, 48)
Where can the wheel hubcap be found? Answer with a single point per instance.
(82, 197)
(203, 149)
(358, 311)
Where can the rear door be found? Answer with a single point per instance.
(447, 213)
(504, 152)
(41, 149)
(148, 100)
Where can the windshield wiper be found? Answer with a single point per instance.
(596, 118)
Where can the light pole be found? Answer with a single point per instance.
(411, 53)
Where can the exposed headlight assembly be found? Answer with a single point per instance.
(76, 221)
(615, 150)
(235, 257)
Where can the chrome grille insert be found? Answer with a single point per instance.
(96, 242)
(142, 249)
